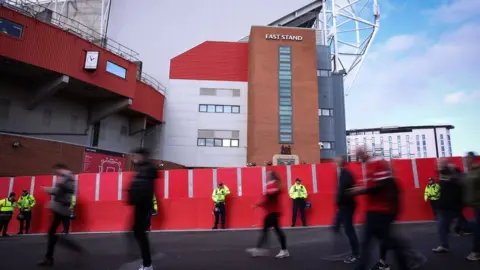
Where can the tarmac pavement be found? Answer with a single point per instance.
(199, 250)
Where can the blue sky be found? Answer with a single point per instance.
(423, 67)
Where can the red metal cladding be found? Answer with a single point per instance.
(148, 101)
(215, 61)
(52, 48)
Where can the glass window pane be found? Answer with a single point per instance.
(235, 109)
(284, 49)
(227, 109)
(285, 76)
(281, 72)
(209, 142)
(203, 108)
(285, 112)
(284, 138)
(218, 142)
(285, 129)
(201, 142)
(226, 143)
(286, 82)
(285, 108)
(211, 108)
(325, 112)
(283, 94)
(219, 108)
(116, 70)
(285, 90)
(234, 143)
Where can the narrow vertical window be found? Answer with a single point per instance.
(285, 111)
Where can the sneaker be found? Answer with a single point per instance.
(440, 249)
(146, 268)
(473, 257)
(257, 252)
(351, 259)
(45, 262)
(381, 266)
(283, 254)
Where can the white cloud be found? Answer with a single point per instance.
(401, 43)
(456, 11)
(461, 97)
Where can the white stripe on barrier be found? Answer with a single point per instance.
(190, 183)
(120, 186)
(165, 185)
(97, 187)
(10, 187)
(264, 179)
(364, 172)
(314, 178)
(214, 178)
(289, 176)
(32, 185)
(415, 173)
(239, 182)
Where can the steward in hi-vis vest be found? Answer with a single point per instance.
(298, 193)
(25, 203)
(432, 194)
(7, 206)
(218, 196)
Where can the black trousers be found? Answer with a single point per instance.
(345, 217)
(220, 214)
(25, 222)
(63, 240)
(299, 205)
(434, 205)
(271, 220)
(140, 217)
(66, 225)
(378, 225)
(4, 221)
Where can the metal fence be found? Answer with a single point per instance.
(42, 13)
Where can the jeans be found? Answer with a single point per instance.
(299, 204)
(138, 228)
(446, 218)
(345, 217)
(25, 222)
(378, 225)
(476, 237)
(53, 238)
(271, 220)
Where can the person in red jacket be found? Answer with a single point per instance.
(382, 206)
(271, 204)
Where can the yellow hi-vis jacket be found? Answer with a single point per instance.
(74, 202)
(155, 205)
(7, 206)
(298, 191)
(219, 194)
(26, 203)
(432, 192)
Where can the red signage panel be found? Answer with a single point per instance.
(97, 161)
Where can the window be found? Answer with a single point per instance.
(10, 28)
(217, 142)
(324, 73)
(285, 131)
(441, 136)
(389, 138)
(418, 137)
(325, 112)
(443, 154)
(116, 70)
(327, 145)
(218, 108)
(408, 138)
(423, 137)
(424, 154)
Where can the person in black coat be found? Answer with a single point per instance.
(140, 196)
(346, 206)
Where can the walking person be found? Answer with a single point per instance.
(151, 213)
(60, 206)
(472, 199)
(432, 194)
(66, 222)
(382, 204)
(140, 196)
(26, 202)
(298, 193)
(346, 206)
(7, 206)
(271, 204)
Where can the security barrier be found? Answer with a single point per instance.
(184, 196)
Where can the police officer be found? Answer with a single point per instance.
(25, 203)
(154, 212)
(299, 194)
(218, 196)
(66, 222)
(7, 206)
(432, 193)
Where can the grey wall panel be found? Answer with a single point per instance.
(328, 154)
(339, 115)
(327, 128)
(324, 58)
(325, 92)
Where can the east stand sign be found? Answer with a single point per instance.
(283, 37)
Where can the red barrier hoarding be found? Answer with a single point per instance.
(97, 161)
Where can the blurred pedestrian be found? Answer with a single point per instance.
(140, 196)
(472, 199)
(271, 204)
(60, 206)
(346, 206)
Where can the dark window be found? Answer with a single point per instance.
(10, 28)
(96, 134)
(116, 70)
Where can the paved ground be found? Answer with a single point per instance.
(220, 250)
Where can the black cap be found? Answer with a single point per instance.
(471, 154)
(12, 194)
(24, 190)
(220, 184)
(298, 180)
(430, 179)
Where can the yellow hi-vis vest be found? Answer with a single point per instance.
(26, 203)
(219, 194)
(7, 206)
(298, 192)
(73, 202)
(432, 192)
(155, 205)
